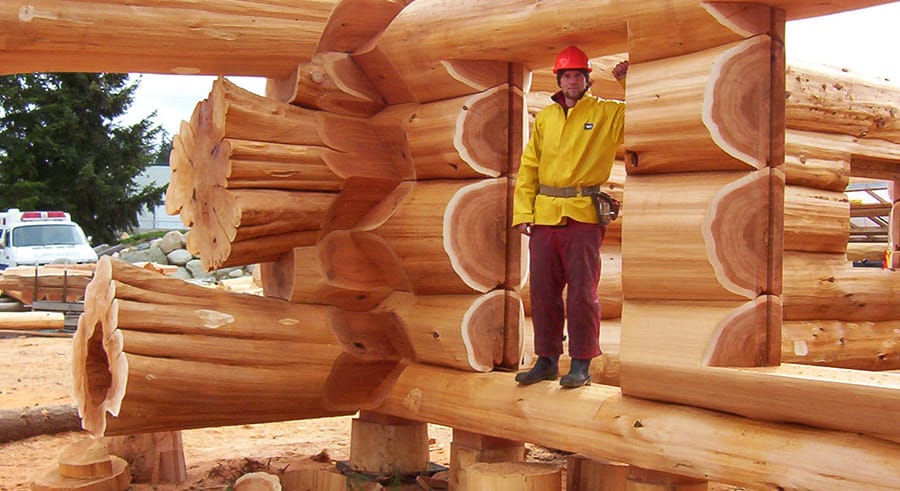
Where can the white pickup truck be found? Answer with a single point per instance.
(30, 238)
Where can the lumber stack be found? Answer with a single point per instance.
(53, 282)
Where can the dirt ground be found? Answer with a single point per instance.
(35, 371)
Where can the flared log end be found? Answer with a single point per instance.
(99, 366)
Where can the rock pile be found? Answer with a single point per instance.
(171, 250)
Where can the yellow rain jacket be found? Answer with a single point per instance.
(567, 150)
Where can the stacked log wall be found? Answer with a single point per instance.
(723, 186)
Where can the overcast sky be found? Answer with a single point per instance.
(864, 41)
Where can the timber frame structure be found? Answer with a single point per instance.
(373, 185)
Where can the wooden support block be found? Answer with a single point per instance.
(512, 476)
(470, 448)
(394, 447)
(154, 458)
(597, 475)
(86, 459)
(50, 479)
(650, 480)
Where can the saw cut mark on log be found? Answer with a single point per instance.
(329, 82)
(737, 117)
(345, 394)
(478, 254)
(744, 19)
(741, 339)
(479, 143)
(734, 233)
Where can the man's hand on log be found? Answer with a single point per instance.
(620, 70)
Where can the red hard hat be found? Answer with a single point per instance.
(572, 58)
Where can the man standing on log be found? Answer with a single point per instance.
(558, 204)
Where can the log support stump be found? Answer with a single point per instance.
(470, 448)
(512, 476)
(650, 480)
(583, 472)
(84, 466)
(387, 445)
(154, 458)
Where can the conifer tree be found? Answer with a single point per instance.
(61, 148)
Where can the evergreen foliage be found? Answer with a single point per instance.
(61, 149)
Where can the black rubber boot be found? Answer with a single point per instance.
(544, 369)
(579, 374)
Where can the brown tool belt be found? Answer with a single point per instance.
(606, 206)
(570, 192)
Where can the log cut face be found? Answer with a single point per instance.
(715, 228)
(154, 353)
(712, 105)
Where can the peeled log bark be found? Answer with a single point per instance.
(160, 354)
(603, 424)
(862, 345)
(31, 320)
(815, 220)
(812, 161)
(712, 115)
(825, 100)
(707, 234)
(262, 38)
(431, 238)
(826, 286)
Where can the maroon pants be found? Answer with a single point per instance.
(566, 255)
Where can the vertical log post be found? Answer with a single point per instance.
(470, 448)
(154, 458)
(388, 445)
(512, 476)
(650, 480)
(583, 472)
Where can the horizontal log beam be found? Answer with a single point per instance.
(262, 38)
(603, 424)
